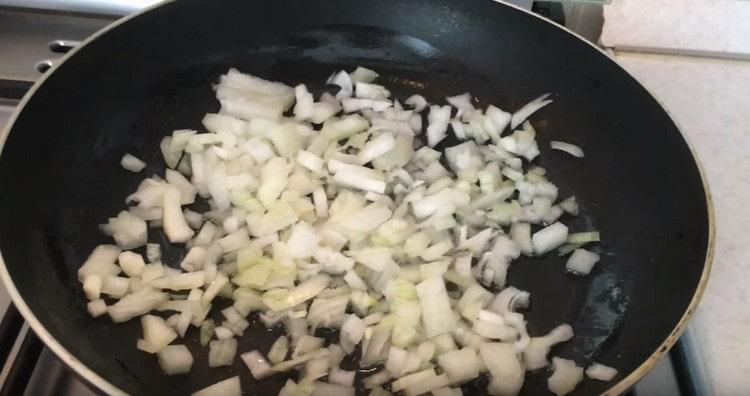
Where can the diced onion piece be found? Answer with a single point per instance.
(363, 74)
(183, 281)
(187, 190)
(528, 109)
(509, 299)
(461, 102)
(344, 81)
(504, 367)
(303, 242)
(310, 161)
(535, 355)
(92, 286)
(273, 181)
(460, 365)
(353, 179)
(96, 308)
(303, 109)
(157, 334)
(571, 149)
(352, 332)
(428, 384)
(171, 157)
(257, 364)
(221, 352)
(326, 389)
(581, 262)
(417, 101)
(115, 286)
(101, 262)
(583, 237)
(131, 263)
(549, 238)
(376, 147)
(341, 377)
(136, 304)
(411, 379)
(131, 163)
(438, 119)
(500, 118)
(521, 235)
(565, 376)
(445, 391)
(371, 91)
(600, 372)
(279, 350)
(174, 223)
(437, 316)
(175, 359)
(153, 252)
(227, 387)
(129, 231)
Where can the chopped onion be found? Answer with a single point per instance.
(416, 378)
(344, 81)
(549, 238)
(157, 334)
(96, 308)
(131, 163)
(354, 225)
(504, 367)
(581, 262)
(136, 304)
(460, 365)
(417, 101)
(535, 355)
(115, 286)
(174, 223)
(509, 299)
(257, 364)
(583, 237)
(363, 74)
(565, 376)
(528, 109)
(571, 149)
(227, 387)
(221, 352)
(101, 262)
(437, 317)
(445, 391)
(175, 359)
(427, 384)
(326, 389)
(461, 102)
(279, 350)
(600, 372)
(438, 118)
(376, 147)
(92, 286)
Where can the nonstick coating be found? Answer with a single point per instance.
(638, 184)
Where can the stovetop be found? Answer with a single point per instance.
(34, 35)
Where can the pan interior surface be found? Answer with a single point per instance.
(638, 185)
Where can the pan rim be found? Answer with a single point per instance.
(89, 375)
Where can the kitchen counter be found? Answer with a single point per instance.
(708, 98)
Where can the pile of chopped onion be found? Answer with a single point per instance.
(337, 212)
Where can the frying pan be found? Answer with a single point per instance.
(149, 74)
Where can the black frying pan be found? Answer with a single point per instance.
(639, 183)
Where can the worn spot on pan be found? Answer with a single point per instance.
(602, 313)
